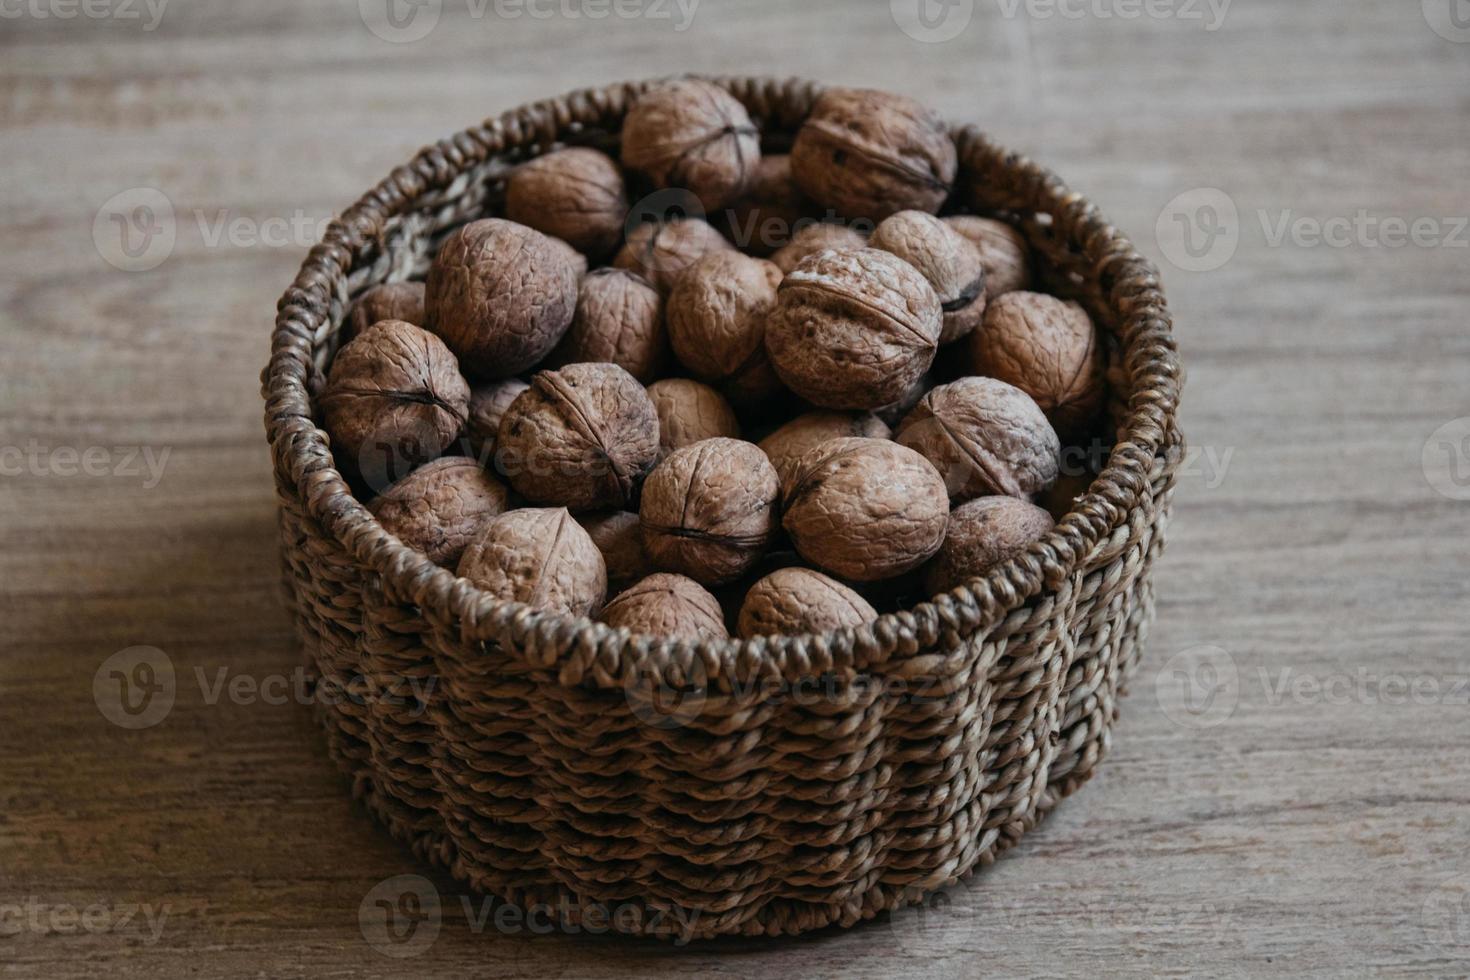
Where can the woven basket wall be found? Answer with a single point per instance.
(758, 787)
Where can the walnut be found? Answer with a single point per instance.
(813, 238)
(865, 509)
(853, 328)
(540, 557)
(946, 258)
(668, 605)
(388, 301)
(773, 208)
(488, 403)
(619, 320)
(983, 533)
(438, 507)
(805, 432)
(985, 437)
(575, 194)
(690, 412)
(660, 250)
(799, 600)
(395, 391)
(619, 537)
(1003, 252)
(695, 135)
(868, 154)
(501, 295)
(1049, 349)
(717, 322)
(582, 437)
(709, 510)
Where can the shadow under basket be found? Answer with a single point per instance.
(695, 789)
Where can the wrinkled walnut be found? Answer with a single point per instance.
(813, 238)
(396, 391)
(619, 537)
(695, 135)
(985, 437)
(983, 533)
(582, 437)
(1049, 349)
(619, 320)
(1003, 252)
(867, 154)
(438, 507)
(865, 509)
(853, 329)
(771, 210)
(805, 432)
(488, 403)
(946, 258)
(690, 412)
(576, 195)
(501, 295)
(660, 250)
(538, 556)
(668, 605)
(799, 600)
(388, 301)
(717, 323)
(709, 510)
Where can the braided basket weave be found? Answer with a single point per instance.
(750, 787)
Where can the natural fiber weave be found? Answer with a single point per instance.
(779, 784)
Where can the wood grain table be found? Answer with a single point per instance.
(1289, 787)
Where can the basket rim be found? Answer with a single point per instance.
(581, 647)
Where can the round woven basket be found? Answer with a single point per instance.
(694, 789)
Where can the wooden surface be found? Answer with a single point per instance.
(1311, 819)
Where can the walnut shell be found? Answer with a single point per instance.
(717, 323)
(538, 556)
(946, 258)
(501, 295)
(660, 250)
(692, 134)
(801, 435)
(619, 537)
(709, 510)
(387, 301)
(488, 403)
(771, 211)
(668, 605)
(582, 437)
(394, 390)
(1003, 252)
(438, 507)
(813, 238)
(1050, 350)
(983, 533)
(690, 412)
(800, 600)
(985, 437)
(575, 194)
(619, 320)
(865, 509)
(853, 328)
(868, 154)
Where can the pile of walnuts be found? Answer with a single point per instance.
(807, 394)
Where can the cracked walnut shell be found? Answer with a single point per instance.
(438, 507)
(946, 258)
(575, 194)
(694, 135)
(983, 533)
(793, 601)
(668, 605)
(540, 557)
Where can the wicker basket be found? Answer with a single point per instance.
(746, 787)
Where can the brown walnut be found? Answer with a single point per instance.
(813, 238)
(540, 557)
(865, 509)
(694, 135)
(619, 537)
(501, 295)
(575, 194)
(1003, 252)
(983, 533)
(438, 507)
(619, 320)
(709, 510)
(868, 154)
(582, 437)
(387, 301)
(488, 402)
(660, 250)
(946, 258)
(690, 412)
(853, 329)
(771, 211)
(801, 435)
(717, 323)
(800, 600)
(668, 605)
(985, 437)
